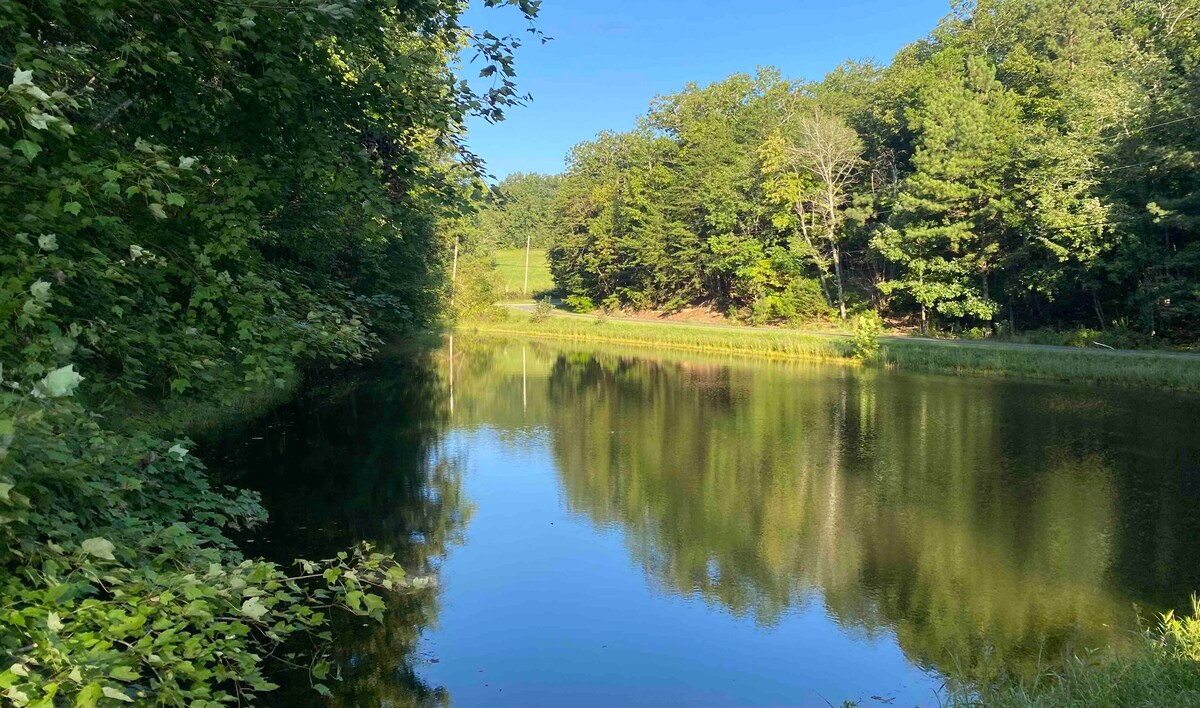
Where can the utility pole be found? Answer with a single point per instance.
(528, 237)
(454, 273)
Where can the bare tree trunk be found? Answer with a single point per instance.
(816, 255)
(837, 270)
(832, 220)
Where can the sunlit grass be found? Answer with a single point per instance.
(1148, 369)
(510, 264)
(773, 343)
(1163, 670)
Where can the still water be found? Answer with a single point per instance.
(645, 529)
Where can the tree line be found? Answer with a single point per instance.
(1025, 165)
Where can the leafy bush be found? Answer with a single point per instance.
(477, 292)
(801, 301)
(579, 303)
(542, 310)
(867, 329)
(199, 202)
(119, 582)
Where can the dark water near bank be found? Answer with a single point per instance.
(639, 529)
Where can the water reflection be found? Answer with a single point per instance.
(656, 528)
(982, 522)
(359, 459)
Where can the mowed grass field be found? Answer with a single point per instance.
(510, 264)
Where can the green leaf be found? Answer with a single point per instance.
(254, 608)
(175, 200)
(116, 695)
(89, 695)
(28, 148)
(72, 208)
(99, 547)
(124, 673)
(157, 210)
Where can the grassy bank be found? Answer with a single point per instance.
(1149, 369)
(1163, 670)
(770, 343)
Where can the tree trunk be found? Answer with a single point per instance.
(837, 270)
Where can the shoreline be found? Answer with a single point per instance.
(1127, 368)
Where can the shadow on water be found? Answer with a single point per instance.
(357, 459)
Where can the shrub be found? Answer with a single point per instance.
(476, 292)
(542, 310)
(867, 329)
(118, 579)
(801, 301)
(580, 303)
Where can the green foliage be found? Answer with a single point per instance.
(1032, 163)
(197, 203)
(522, 211)
(799, 302)
(542, 310)
(579, 303)
(868, 326)
(1163, 669)
(476, 291)
(121, 583)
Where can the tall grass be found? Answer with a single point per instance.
(1141, 369)
(1162, 670)
(773, 343)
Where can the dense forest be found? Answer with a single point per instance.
(199, 200)
(1025, 165)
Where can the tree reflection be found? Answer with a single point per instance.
(352, 461)
(982, 523)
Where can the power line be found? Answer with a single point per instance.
(1159, 125)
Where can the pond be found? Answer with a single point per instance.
(640, 528)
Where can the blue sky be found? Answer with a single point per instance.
(609, 59)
